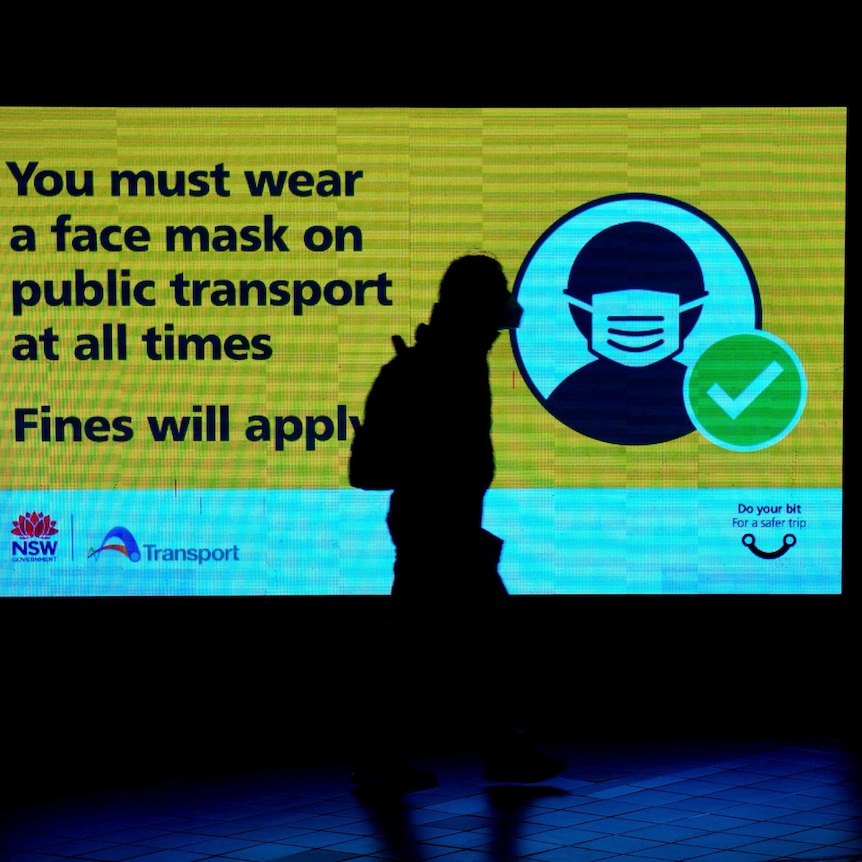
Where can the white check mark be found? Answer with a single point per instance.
(734, 406)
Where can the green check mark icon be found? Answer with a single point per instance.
(734, 406)
(745, 392)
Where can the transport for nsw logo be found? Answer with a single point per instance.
(33, 543)
(121, 540)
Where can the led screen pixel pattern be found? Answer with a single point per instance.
(285, 247)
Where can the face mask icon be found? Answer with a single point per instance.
(635, 328)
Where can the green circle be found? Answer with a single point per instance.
(745, 392)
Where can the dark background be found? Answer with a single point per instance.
(102, 692)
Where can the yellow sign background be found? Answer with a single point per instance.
(436, 183)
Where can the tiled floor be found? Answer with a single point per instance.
(714, 802)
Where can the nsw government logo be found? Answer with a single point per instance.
(33, 542)
(119, 540)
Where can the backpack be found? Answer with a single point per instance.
(375, 450)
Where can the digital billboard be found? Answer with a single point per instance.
(199, 299)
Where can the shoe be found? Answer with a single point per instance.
(395, 778)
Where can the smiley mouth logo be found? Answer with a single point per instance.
(751, 543)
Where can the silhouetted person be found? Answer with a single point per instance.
(426, 435)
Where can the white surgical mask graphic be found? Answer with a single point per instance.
(636, 327)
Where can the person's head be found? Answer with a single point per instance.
(474, 295)
(636, 291)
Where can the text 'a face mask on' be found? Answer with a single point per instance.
(635, 328)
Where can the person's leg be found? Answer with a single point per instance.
(385, 699)
(507, 750)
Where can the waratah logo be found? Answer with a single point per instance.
(33, 544)
(34, 526)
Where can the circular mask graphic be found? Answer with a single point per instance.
(620, 297)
